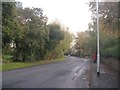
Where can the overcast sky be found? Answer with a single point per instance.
(71, 13)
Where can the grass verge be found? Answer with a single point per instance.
(16, 65)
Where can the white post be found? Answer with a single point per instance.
(98, 54)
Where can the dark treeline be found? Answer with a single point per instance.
(27, 36)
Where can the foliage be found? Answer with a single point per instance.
(108, 24)
(8, 24)
(58, 44)
(27, 36)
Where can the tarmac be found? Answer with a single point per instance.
(107, 79)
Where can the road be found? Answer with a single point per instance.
(70, 73)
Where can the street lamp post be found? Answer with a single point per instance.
(98, 53)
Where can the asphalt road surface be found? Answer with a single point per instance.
(70, 73)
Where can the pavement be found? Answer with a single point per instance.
(107, 79)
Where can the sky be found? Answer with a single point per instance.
(71, 13)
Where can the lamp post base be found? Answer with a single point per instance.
(98, 74)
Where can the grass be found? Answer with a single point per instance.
(16, 65)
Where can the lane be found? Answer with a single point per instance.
(71, 73)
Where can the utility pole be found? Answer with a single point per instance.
(98, 39)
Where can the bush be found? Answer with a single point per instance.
(7, 58)
(110, 52)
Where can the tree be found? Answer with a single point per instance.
(29, 37)
(8, 24)
(108, 12)
(55, 36)
(32, 44)
(85, 44)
